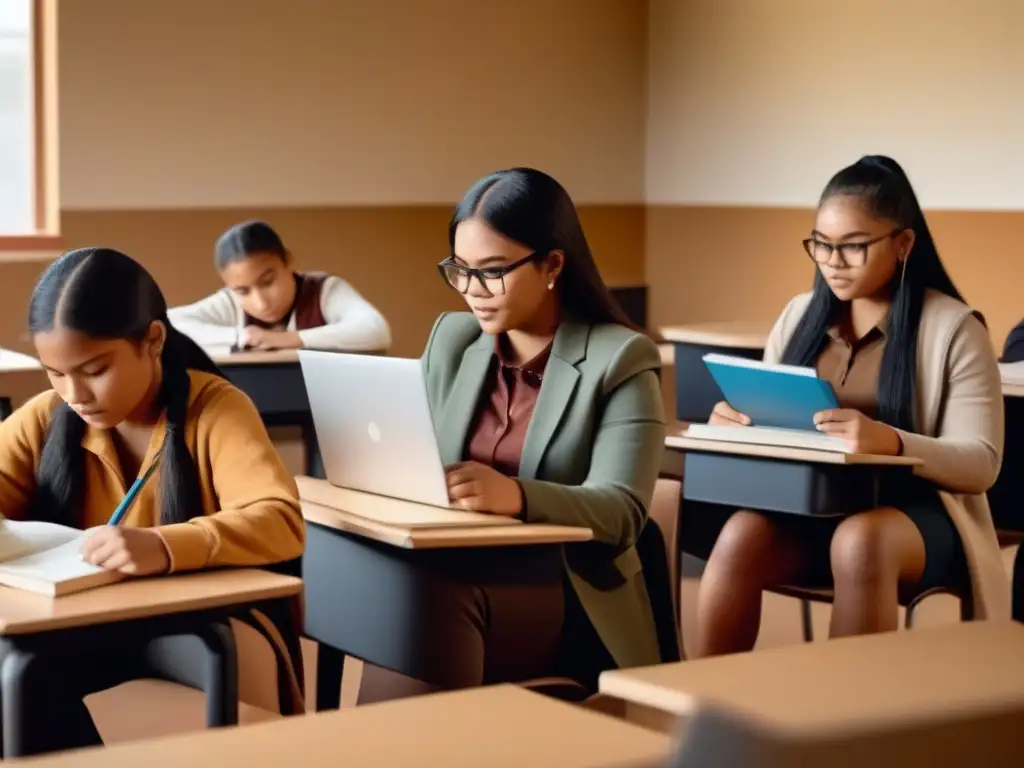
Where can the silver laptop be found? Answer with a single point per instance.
(372, 421)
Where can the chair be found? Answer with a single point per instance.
(807, 595)
(659, 560)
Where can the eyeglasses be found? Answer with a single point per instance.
(851, 254)
(459, 276)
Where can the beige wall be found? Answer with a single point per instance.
(232, 103)
(753, 105)
(351, 126)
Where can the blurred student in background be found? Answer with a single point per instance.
(267, 304)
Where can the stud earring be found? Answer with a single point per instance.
(551, 285)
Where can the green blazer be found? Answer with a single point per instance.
(591, 456)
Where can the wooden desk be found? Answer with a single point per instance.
(35, 629)
(21, 378)
(780, 479)
(24, 613)
(371, 565)
(696, 391)
(850, 685)
(411, 525)
(497, 726)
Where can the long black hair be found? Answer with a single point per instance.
(530, 207)
(105, 294)
(247, 239)
(883, 188)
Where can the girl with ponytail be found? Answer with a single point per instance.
(915, 375)
(135, 402)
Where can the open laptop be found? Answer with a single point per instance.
(372, 421)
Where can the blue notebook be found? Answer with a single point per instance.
(779, 396)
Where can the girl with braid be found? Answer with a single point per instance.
(135, 402)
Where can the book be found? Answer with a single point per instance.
(781, 401)
(46, 558)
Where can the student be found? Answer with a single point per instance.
(266, 304)
(133, 398)
(914, 372)
(547, 408)
(1013, 351)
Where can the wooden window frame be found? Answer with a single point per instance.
(46, 237)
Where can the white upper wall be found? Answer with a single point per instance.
(206, 103)
(759, 102)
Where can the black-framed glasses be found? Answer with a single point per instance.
(459, 277)
(851, 254)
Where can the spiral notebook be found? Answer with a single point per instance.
(780, 400)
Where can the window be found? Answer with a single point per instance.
(17, 119)
(28, 137)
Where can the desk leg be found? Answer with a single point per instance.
(330, 663)
(221, 675)
(16, 684)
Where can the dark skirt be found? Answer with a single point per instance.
(945, 560)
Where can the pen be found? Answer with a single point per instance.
(126, 502)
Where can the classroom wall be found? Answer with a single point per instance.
(351, 126)
(754, 105)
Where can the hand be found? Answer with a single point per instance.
(724, 415)
(479, 488)
(862, 434)
(254, 337)
(135, 551)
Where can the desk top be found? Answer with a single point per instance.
(495, 726)
(736, 334)
(680, 442)
(254, 357)
(25, 612)
(411, 525)
(851, 683)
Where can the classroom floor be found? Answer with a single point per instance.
(148, 708)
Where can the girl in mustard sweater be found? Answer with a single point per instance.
(135, 400)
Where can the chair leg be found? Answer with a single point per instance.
(808, 620)
(330, 663)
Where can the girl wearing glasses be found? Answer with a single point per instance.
(267, 304)
(913, 369)
(547, 408)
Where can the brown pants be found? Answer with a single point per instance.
(498, 633)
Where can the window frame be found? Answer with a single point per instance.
(46, 237)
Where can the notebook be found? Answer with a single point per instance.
(780, 400)
(46, 558)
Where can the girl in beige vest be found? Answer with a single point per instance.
(915, 375)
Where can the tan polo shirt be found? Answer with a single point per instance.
(852, 369)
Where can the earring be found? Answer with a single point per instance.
(903, 274)
(551, 285)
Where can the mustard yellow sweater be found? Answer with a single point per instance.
(250, 502)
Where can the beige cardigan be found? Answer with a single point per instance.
(959, 420)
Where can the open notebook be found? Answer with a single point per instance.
(46, 558)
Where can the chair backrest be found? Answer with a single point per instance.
(651, 549)
(665, 508)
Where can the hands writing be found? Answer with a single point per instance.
(254, 337)
(135, 551)
(476, 487)
(862, 434)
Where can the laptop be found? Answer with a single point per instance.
(373, 425)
